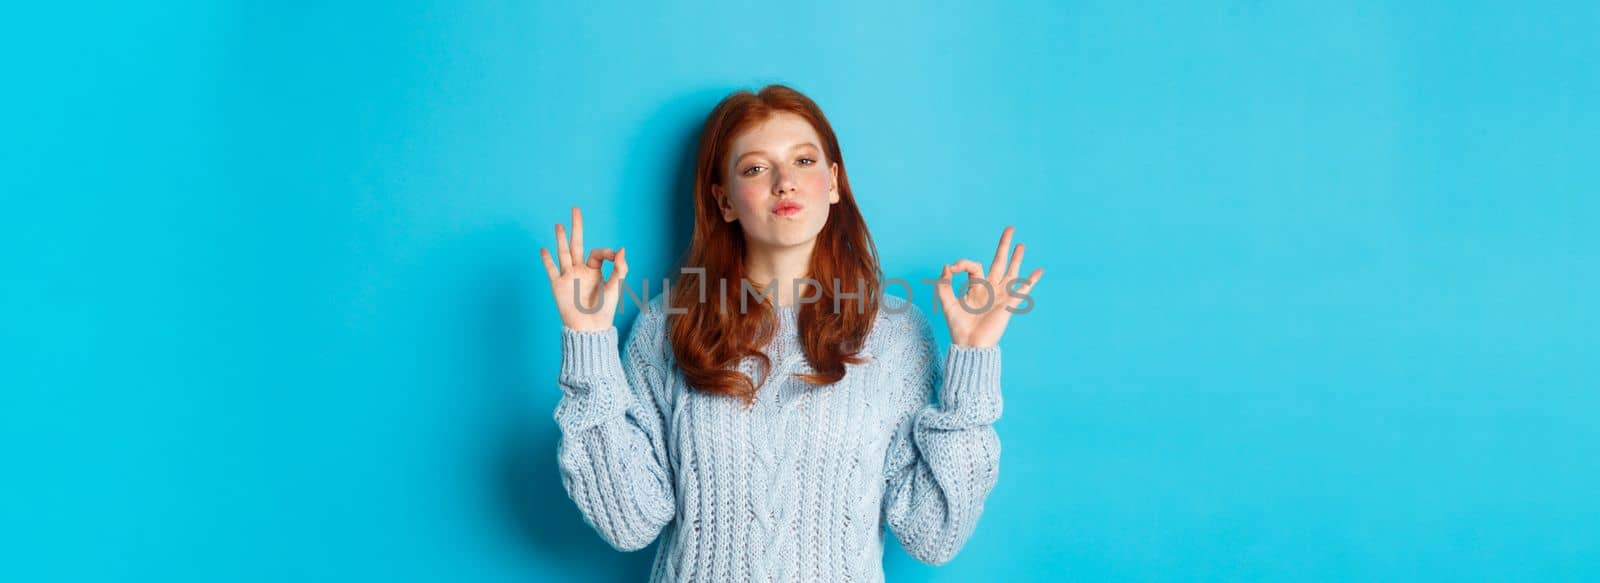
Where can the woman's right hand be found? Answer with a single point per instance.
(578, 279)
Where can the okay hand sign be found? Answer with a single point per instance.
(578, 280)
(979, 317)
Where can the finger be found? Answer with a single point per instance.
(1028, 284)
(620, 260)
(1016, 264)
(1000, 254)
(563, 251)
(598, 257)
(577, 235)
(973, 269)
(549, 264)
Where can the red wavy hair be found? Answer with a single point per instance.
(708, 340)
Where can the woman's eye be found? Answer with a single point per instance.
(807, 161)
(751, 171)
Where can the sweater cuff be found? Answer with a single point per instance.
(593, 384)
(972, 384)
(590, 360)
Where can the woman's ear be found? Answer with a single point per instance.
(722, 203)
(833, 184)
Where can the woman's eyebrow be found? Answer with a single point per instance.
(764, 152)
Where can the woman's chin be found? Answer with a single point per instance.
(788, 239)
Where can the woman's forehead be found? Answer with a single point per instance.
(779, 133)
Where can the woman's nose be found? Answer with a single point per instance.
(784, 182)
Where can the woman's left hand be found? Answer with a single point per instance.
(979, 317)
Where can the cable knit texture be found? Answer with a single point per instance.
(800, 486)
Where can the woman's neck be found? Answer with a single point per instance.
(780, 267)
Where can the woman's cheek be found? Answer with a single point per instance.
(822, 180)
(751, 199)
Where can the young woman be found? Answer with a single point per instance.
(769, 433)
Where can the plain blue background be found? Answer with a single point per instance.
(1319, 303)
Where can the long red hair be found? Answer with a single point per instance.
(708, 340)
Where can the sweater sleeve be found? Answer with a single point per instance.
(944, 458)
(612, 453)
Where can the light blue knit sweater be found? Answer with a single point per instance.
(797, 487)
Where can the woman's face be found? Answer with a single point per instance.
(777, 183)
